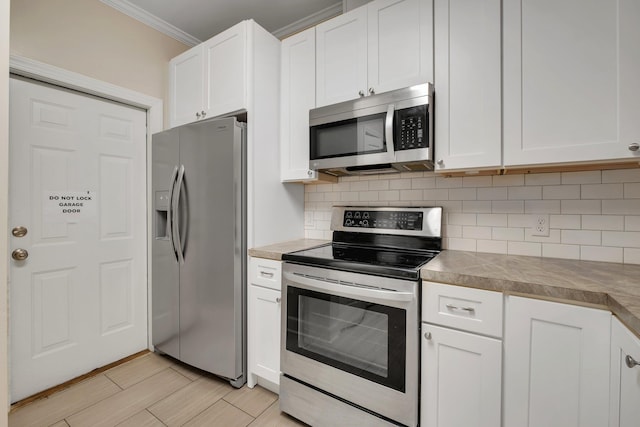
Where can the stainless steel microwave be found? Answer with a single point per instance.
(389, 132)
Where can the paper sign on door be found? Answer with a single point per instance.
(69, 206)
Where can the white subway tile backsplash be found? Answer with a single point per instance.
(507, 206)
(601, 191)
(476, 181)
(581, 237)
(494, 193)
(625, 239)
(621, 175)
(508, 233)
(585, 207)
(602, 222)
(542, 179)
(508, 180)
(476, 206)
(592, 215)
(524, 248)
(584, 177)
(492, 246)
(553, 250)
(601, 253)
(492, 220)
(571, 222)
(462, 194)
(525, 193)
(561, 192)
(631, 256)
(475, 232)
(632, 190)
(542, 206)
(632, 223)
(621, 207)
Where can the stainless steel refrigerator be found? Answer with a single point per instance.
(199, 246)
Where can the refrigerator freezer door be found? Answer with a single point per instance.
(165, 271)
(211, 228)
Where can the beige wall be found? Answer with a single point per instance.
(4, 186)
(93, 39)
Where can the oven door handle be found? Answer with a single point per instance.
(349, 291)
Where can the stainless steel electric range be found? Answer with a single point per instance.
(351, 317)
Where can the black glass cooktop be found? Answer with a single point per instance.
(401, 263)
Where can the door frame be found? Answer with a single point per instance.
(40, 71)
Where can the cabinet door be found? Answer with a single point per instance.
(400, 44)
(571, 88)
(459, 368)
(468, 129)
(225, 57)
(341, 58)
(186, 86)
(297, 97)
(625, 380)
(556, 361)
(264, 334)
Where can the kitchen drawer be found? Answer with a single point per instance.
(468, 309)
(265, 272)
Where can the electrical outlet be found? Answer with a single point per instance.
(540, 225)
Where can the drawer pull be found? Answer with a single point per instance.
(631, 362)
(266, 274)
(455, 307)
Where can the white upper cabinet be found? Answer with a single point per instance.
(297, 97)
(571, 91)
(209, 79)
(186, 86)
(467, 45)
(341, 57)
(384, 45)
(225, 57)
(400, 40)
(625, 376)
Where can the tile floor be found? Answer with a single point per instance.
(154, 391)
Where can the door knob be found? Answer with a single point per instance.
(20, 254)
(19, 231)
(631, 362)
(634, 146)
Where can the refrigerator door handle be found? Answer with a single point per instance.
(172, 185)
(175, 202)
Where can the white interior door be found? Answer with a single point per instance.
(77, 186)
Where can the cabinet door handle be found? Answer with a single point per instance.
(427, 335)
(634, 146)
(278, 299)
(266, 274)
(372, 91)
(455, 307)
(361, 93)
(203, 114)
(197, 115)
(631, 362)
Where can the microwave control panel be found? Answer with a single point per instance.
(389, 220)
(411, 126)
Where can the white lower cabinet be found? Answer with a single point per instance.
(625, 377)
(461, 378)
(263, 323)
(556, 364)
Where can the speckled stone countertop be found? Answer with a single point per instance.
(276, 250)
(609, 285)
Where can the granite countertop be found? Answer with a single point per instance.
(276, 250)
(608, 285)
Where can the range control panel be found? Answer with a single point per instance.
(388, 220)
(411, 128)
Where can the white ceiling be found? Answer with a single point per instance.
(202, 19)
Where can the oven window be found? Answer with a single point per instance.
(362, 338)
(349, 137)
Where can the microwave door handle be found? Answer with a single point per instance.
(349, 291)
(388, 131)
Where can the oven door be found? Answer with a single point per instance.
(353, 336)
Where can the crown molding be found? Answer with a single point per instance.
(309, 21)
(152, 21)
